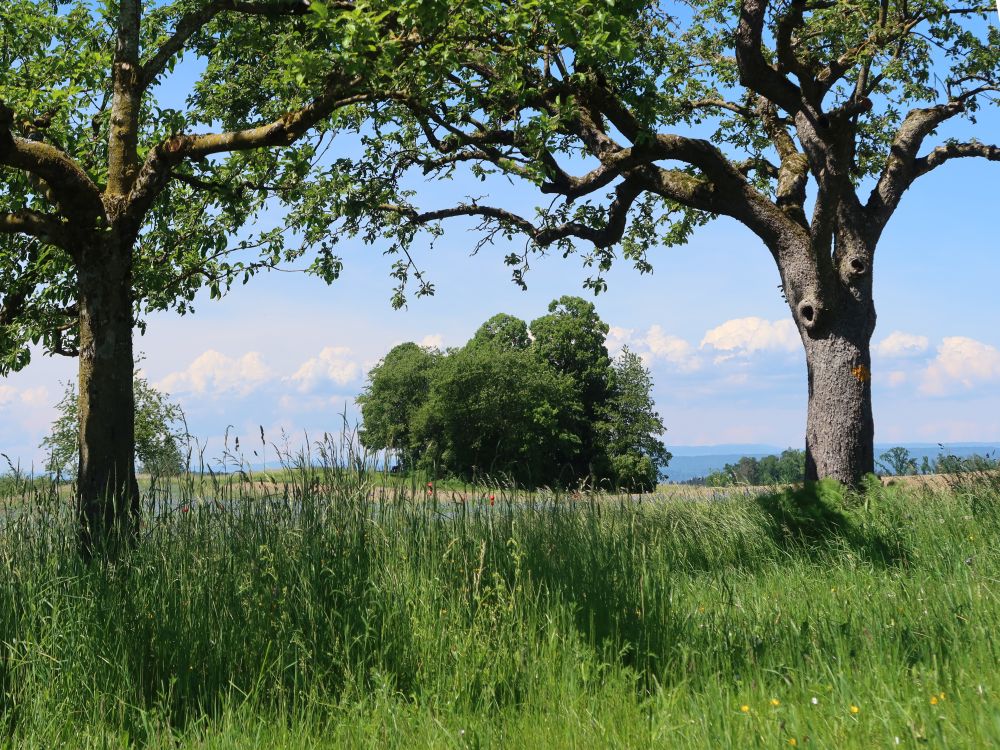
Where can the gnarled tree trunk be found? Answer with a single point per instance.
(840, 428)
(107, 492)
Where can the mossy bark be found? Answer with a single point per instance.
(107, 492)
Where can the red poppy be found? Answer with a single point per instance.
(492, 499)
(185, 508)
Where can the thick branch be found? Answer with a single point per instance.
(191, 23)
(755, 72)
(123, 137)
(284, 131)
(45, 227)
(949, 151)
(901, 167)
(66, 184)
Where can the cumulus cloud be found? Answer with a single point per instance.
(961, 361)
(37, 396)
(900, 344)
(213, 373)
(672, 349)
(332, 365)
(742, 336)
(655, 344)
(618, 338)
(7, 394)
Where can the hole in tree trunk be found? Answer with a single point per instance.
(858, 266)
(809, 313)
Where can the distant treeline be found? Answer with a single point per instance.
(790, 467)
(787, 468)
(900, 462)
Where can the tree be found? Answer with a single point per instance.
(160, 433)
(898, 461)
(819, 117)
(397, 388)
(113, 202)
(629, 429)
(500, 412)
(502, 331)
(570, 339)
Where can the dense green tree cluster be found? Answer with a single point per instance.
(787, 468)
(543, 405)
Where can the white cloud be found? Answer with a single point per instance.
(214, 373)
(433, 341)
(961, 361)
(619, 337)
(673, 349)
(742, 336)
(655, 344)
(896, 378)
(7, 394)
(900, 344)
(38, 396)
(332, 364)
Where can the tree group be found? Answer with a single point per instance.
(788, 468)
(541, 405)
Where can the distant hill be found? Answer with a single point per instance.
(693, 461)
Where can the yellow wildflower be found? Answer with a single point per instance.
(745, 708)
(775, 702)
(854, 709)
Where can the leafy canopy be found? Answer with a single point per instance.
(210, 212)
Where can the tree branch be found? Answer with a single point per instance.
(625, 194)
(156, 171)
(755, 72)
(66, 184)
(901, 166)
(954, 150)
(45, 227)
(191, 23)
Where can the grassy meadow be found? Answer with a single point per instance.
(313, 611)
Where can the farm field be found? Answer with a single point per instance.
(337, 620)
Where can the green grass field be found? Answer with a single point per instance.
(323, 618)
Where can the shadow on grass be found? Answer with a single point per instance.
(810, 518)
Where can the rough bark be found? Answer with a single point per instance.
(840, 428)
(107, 492)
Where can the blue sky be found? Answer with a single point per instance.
(290, 354)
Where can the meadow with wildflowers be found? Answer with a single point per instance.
(312, 611)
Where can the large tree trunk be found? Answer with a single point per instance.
(840, 430)
(107, 493)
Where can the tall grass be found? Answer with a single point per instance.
(319, 612)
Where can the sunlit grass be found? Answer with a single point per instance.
(309, 609)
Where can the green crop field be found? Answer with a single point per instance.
(312, 615)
